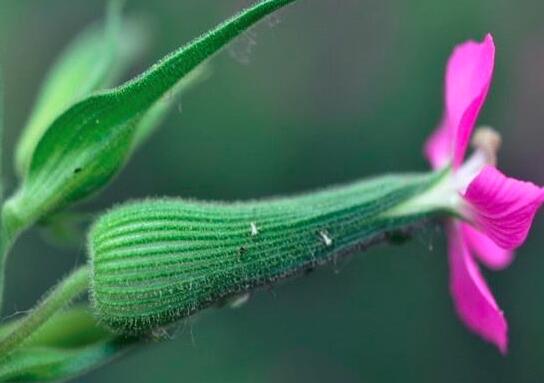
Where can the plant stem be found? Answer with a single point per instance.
(8, 234)
(68, 289)
(3, 259)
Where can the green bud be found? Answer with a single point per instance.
(93, 61)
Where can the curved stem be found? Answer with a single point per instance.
(3, 259)
(68, 289)
(7, 237)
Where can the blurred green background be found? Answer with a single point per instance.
(325, 92)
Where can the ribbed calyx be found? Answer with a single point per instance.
(156, 261)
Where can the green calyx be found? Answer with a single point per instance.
(154, 262)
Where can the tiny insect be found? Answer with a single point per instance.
(254, 229)
(327, 240)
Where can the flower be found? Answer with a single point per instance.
(496, 211)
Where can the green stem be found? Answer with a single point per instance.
(8, 233)
(3, 261)
(62, 295)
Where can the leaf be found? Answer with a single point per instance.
(94, 60)
(85, 146)
(69, 344)
(157, 261)
(42, 364)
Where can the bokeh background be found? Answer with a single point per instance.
(324, 92)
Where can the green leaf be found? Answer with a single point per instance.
(157, 261)
(42, 364)
(69, 344)
(85, 146)
(94, 60)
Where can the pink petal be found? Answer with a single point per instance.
(503, 207)
(473, 300)
(485, 249)
(438, 147)
(468, 76)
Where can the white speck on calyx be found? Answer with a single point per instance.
(239, 301)
(254, 229)
(325, 237)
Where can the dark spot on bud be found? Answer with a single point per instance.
(397, 237)
(77, 170)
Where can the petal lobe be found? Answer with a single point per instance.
(468, 77)
(487, 251)
(502, 207)
(438, 147)
(473, 300)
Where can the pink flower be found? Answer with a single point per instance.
(497, 211)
